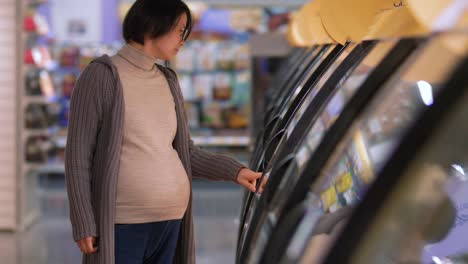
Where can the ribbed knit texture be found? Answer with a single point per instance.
(94, 141)
(153, 185)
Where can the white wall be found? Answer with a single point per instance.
(87, 12)
(8, 94)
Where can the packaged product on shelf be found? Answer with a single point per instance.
(235, 118)
(226, 56)
(222, 86)
(247, 20)
(64, 112)
(46, 84)
(35, 23)
(35, 117)
(206, 55)
(39, 83)
(347, 191)
(39, 56)
(41, 115)
(60, 141)
(33, 152)
(185, 81)
(203, 85)
(241, 88)
(53, 113)
(242, 57)
(32, 83)
(87, 54)
(68, 83)
(212, 115)
(184, 61)
(69, 57)
(329, 199)
(39, 149)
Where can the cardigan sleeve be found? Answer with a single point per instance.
(84, 123)
(211, 166)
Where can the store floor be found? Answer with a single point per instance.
(216, 208)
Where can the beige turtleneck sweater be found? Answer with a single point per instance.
(152, 184)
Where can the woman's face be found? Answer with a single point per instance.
(167, 46)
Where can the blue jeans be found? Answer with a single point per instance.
(147, 243)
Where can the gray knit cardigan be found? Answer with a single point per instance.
(93, 152)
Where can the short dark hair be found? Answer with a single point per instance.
(154, 17)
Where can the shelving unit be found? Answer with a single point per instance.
(215, 77)
(27, 202)
(35, 100)
(223, 141)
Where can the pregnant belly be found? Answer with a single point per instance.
(159, 182)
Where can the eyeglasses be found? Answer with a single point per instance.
(184, 34)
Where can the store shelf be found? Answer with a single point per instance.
(32, 99)
(37, 168)
(52, 168)
(241, 141)
(39, 132)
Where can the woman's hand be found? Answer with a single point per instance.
(248, 179)
(87, 245)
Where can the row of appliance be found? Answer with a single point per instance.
(366, 153)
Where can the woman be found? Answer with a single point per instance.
(129, 157)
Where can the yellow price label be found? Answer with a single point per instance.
(329, 197)
(344, 183)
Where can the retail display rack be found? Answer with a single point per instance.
(215, 77)
(27, 110)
